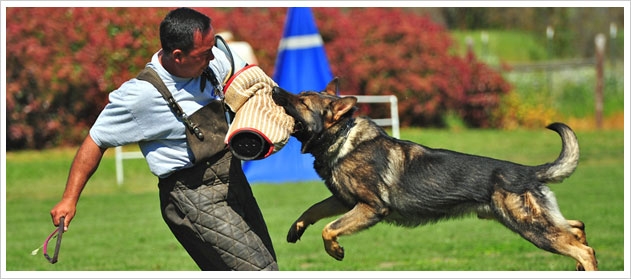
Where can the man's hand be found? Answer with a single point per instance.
(65, 209)
(85, 162)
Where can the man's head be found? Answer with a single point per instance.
(187, 39)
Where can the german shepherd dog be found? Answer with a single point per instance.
(375, 177)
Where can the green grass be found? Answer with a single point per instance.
(508, 46)
(120, 228)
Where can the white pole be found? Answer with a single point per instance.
(119, 165)
(394, 114)
(600, 42)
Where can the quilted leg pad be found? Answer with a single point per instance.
(219, 222)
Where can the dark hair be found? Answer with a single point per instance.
(178, 26)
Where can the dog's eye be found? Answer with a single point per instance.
(302, 102)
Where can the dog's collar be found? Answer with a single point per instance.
(327, 140)
(346, 128)
(343, 131)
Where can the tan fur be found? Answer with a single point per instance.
(360, 217)
(567, 238)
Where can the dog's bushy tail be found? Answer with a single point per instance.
(567, 162)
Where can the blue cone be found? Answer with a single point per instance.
(301, 65)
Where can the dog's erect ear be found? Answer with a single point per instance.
(333, 88)
(342, 106)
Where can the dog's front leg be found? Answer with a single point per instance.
(362, 216)
(331, 206)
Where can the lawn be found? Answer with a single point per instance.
(513, 46)
(120, 228)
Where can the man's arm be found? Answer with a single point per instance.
(85, 162)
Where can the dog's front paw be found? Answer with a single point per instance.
(579, 267)
(296, 231)
(334, 249)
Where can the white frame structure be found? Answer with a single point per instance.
(120, 156)
(393, 122)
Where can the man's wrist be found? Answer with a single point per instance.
(70, 199)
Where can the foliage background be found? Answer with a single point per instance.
(66, 60)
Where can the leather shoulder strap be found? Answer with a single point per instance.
(150, 75)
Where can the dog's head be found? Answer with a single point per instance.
(314, 112)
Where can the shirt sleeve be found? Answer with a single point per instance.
(117, 125)
(220, 65)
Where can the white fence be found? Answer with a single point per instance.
(120, 156)
(393, 122)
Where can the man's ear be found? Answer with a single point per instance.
(342, 106)
(177, 55)
(333, 88)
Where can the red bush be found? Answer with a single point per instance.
(387, 51)
(63, 62)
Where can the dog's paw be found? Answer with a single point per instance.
(334, 250)
(579, 267)
(296, 231)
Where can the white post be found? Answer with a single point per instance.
(600, 42)
(393, 121)
(119, 165)
(613, 32)
(394, 114)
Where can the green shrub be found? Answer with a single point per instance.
(64, 61)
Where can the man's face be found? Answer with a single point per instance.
(193, 63)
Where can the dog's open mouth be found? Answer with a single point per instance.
(298, 126)
(301, 131)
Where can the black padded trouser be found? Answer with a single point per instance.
(211, 211)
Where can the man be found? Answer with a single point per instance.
(207, 204)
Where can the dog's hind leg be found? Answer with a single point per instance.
(362, 216)
(578, 229)
(331, 206)
(536, 217)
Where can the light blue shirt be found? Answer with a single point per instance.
(136, 112)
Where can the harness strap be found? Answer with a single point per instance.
(149, 75)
